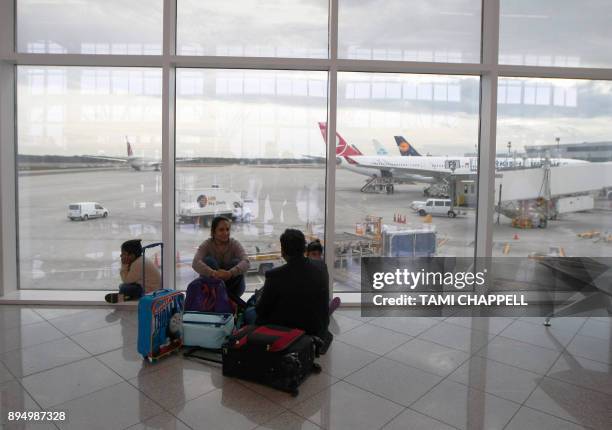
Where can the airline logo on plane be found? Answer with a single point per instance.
(404, 147)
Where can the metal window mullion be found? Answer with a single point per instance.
(330, 166)
(488, 129)
(9, 278)
(370, 66)
(168, 143)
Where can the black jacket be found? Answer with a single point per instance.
(296, 295)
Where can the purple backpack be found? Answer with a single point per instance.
(206, 294)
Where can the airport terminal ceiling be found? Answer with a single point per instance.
(251, 128)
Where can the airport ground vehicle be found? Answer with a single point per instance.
(86, 210)
(441, 207)
(408, 242)
(202, 205)
(261, 263)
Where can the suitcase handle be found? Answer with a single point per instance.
(161, 263)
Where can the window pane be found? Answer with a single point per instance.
(253, 28)
(403, 147)
(82, 190)
(447, 31)
(248, 146)
(90, 27)
(570, 130)
(561, 33)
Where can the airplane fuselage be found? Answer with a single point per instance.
(405, 167)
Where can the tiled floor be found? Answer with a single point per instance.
(391, 373)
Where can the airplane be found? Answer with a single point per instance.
(434, 169)
(429, 170)
(137, 163)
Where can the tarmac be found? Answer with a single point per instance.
(56, 253)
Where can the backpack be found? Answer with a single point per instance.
(206, 294)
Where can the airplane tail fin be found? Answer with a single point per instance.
(342, 147)
(405, 148)
(129, 148)
(380, 150)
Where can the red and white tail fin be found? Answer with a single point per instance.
(129, 148)
(342, 147)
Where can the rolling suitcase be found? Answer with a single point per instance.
(160, 327)
(276, 356)
(207, 329)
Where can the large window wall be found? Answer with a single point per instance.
(212, 107)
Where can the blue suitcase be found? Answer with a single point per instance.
(160, 327)
(207, 329)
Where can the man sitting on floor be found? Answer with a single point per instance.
(297, 293)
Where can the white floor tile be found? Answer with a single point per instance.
(428, 356)
(339, 324)
(394, 381)
(5, 374)
(115, 407)
(527, 418)
(313, 385)
(28, 335)
(520, 354)
(493, 325)
(14, 398)
(581, 406)
(84, 321)
(37, 358)
(108, 338)
(412, 326)
(69, 382)
(456, 337)
(583, 372)
(466, 408)
(342, 359)
(344, 406)
(128, 363)
(289, 421)
(412, 420)
(598, 329)
(535, 334)
(495, 378)
(15, 316)
(180, 382)
(163, 421)
(592, 348)
(374, 339)
(231, 407)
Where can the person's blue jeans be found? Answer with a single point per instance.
(235, 285)
(134, 291)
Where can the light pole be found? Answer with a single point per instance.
(557, 139)
(509, 148)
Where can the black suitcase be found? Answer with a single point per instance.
(276, 356)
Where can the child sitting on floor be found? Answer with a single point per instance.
(132, 286)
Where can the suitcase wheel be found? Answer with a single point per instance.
(316, 368)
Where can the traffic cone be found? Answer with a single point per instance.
(516, 236)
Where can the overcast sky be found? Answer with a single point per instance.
(251, 114)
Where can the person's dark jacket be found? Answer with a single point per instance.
(296, 295)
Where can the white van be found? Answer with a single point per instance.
(86, 210)
(436, 207)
